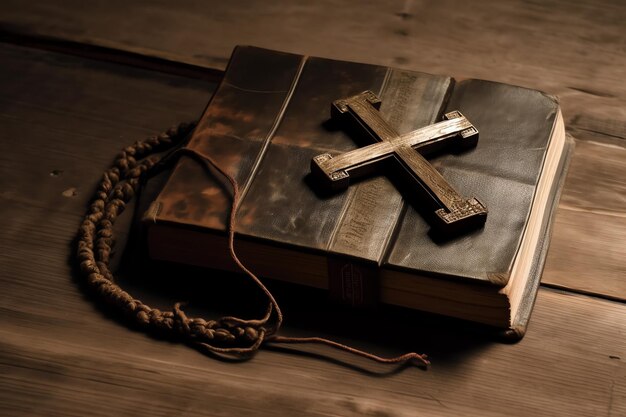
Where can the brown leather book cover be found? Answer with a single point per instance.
(270, 116)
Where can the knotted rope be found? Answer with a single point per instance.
(230, 336)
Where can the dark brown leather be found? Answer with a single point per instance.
(515, 126)
(233, 130)
(269, 152)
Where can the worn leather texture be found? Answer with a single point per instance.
(270, 116)
(502, 171)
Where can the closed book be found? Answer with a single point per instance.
(269, 117)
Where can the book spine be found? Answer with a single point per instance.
(375, 207)
(353, 282)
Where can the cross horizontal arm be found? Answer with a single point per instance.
(416, 139)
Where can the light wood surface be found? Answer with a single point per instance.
(63, 119)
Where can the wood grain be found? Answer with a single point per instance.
(62, 122)
(574, 50)
(571, 49)
(55, 365)
(62, 118)
(587, 251)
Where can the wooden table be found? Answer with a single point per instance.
(83, 79)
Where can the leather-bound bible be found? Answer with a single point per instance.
(372, 241)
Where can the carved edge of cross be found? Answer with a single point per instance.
(455, 211)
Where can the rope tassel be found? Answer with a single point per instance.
(230, 336)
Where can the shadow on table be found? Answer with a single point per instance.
(385, 330)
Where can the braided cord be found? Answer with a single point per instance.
(230, 336)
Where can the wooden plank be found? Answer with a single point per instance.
(75, 361)
(564, 48)
(73, 115)
(133, 58)
(587, 251)
(596, 181)
(587, 254)
(568, 49)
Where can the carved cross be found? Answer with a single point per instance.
(452, 213)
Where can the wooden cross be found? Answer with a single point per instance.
(452, 213)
